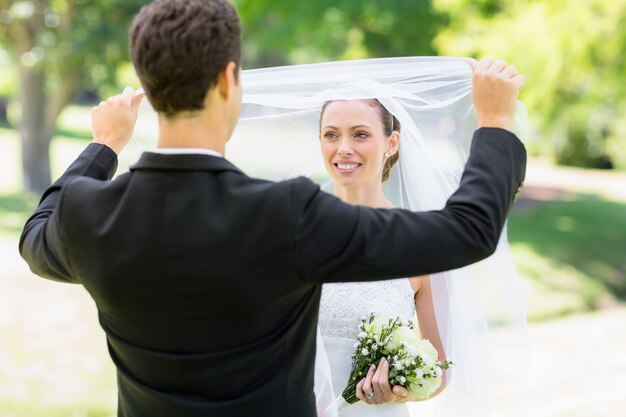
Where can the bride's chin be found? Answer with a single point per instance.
(343, 183)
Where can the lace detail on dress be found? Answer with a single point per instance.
(343, 304)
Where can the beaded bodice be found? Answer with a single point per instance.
(343, 304)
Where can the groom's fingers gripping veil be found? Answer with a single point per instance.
(133, 98)
(495, 86)
(510, 71)
(498, 66)
(113, 120)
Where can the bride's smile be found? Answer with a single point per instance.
(346, 167)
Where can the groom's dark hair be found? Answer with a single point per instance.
(179, 48)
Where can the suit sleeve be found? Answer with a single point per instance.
(42, 242)
(339, 242)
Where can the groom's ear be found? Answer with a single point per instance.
(228, 80)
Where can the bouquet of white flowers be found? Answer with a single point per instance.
(413, 363)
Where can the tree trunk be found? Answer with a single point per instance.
(34, 130)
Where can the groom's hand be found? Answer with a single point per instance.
(113, 120)
(495, 86)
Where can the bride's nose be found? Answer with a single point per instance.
(344, 148)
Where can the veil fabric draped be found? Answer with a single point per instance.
(278, 137)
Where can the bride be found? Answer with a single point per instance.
(408, 121)
(359, 140)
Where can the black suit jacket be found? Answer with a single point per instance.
(207, 281)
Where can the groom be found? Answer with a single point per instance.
(207, 282)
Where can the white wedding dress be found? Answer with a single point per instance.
(341, 308)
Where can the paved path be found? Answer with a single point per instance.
(578, 370)
(545, 181)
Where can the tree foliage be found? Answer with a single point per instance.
(85, 38)
(287, 31)
(572, 54)
(60, 47)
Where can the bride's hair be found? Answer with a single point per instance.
(179, 48)
(390, 124)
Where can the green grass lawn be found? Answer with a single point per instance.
(14, 210)
(571, 254)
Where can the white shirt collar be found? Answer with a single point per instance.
(179, 151)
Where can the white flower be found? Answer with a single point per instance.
(419, 374)
(356, 344)
(427, 352)
(412, 350)
(365, 352)
(377, 324)
(402, 380)
(428, 361)
(402, 336)
(428, 386)
(375, 346)
(362, 335)
(407, 362)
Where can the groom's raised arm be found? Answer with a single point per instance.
(338, 242)
(41, 243)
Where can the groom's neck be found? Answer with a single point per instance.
(193, 130)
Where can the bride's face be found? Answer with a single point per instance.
(353, 143)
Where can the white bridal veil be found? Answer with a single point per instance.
(277, 138)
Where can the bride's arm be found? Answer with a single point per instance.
(427, 320)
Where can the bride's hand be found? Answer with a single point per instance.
(375, 388)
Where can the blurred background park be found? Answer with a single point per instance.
(567, 231)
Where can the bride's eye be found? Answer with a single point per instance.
(330, 135)
(361, 135)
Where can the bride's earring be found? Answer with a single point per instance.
(387, 154)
